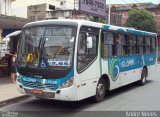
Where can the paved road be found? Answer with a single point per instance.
(128, 98)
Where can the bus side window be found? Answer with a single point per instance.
(140, 45)
(131, 44)
(120, 41)
(153, 44)
(107, 44)
(147, 45)
(124, 45)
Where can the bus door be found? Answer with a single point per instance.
(87, 63)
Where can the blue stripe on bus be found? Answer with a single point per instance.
(32, 82)
(149, 59)
(126, 63)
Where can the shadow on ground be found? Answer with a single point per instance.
(52, 105)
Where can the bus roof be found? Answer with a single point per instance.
(15, 33)
(128, 30)
(90, 23)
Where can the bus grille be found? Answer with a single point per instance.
(39, 85)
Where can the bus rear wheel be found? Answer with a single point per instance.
(100, 90)
(143, 77)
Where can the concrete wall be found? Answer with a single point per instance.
(37, 12)
(5, 7)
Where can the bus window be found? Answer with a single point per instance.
(120, 41)
(85, 55)
(147, 45)
(153, 44)
(140, 45)
(107, 44)
(124, 46)
(131, 45)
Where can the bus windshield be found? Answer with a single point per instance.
(47, 47)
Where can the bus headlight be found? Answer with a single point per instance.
(66, 84)
(18, 77)
(17, 74)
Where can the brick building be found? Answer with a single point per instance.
(119, 14)
(121, 10)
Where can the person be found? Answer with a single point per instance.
(13, 67)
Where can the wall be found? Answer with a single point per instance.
(5, 7)
(36, 12)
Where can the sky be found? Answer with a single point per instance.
(19, 7)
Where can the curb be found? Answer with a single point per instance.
(13, 100)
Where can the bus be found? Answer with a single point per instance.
(9, 43)
(70, 60)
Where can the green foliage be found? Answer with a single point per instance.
(142, 20)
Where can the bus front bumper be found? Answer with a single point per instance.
(65, 94)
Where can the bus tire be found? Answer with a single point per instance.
(143, 77)
(100, 90)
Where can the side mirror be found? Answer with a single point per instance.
(89, 42)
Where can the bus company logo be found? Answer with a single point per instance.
(38, 84)
(114, 69)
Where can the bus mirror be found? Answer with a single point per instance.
(89, 42)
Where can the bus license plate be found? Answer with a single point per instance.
(37, 92)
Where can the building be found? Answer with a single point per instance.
(5, 7)
(119, 14)
(38, 12)
(8, 23)
(5, 10)
(64, 9)
(47, 11)
(66, 4)
(121, 10)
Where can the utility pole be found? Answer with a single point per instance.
(109, 13)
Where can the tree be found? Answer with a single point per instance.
(142, 20)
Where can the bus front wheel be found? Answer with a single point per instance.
(143, 77)
(100, 90)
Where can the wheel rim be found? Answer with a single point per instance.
(100, 89)
(144, 78)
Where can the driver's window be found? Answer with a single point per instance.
(82, 43)
(85, 56)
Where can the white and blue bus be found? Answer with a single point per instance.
(75, 59)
